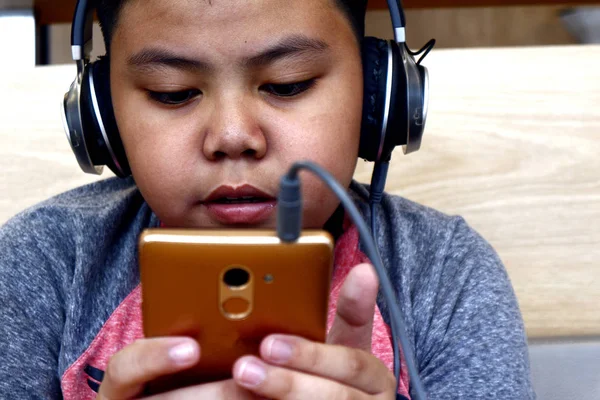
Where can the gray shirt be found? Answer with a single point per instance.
(68, 263)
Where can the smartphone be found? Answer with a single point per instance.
(229, 289)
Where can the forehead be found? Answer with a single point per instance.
(197, 22)
(222, 9)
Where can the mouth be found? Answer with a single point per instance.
(241, 200)
(242, 205)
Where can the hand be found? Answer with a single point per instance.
(295, 368)
(342, 368)
(133, 367)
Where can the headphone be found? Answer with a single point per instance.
(394, 107)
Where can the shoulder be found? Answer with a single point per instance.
(54, 257)
(439, 262)
(448, 239)
(93, 198)
(407, 228)
(51, 250)
(435, 245)
(460, 308)
(89, 202)
(54, 230)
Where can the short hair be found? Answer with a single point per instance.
(109, 11)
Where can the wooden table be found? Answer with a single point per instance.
(512, 144)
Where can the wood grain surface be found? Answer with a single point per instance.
(476, 26)
(512, 144)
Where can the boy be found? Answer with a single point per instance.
(214, 101)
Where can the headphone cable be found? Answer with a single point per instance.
(378, 179)
(289, 227)
(423, 50)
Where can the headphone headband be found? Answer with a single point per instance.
(81, 31)
(398, 20)
(82, 28)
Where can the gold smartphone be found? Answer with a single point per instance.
(229, 289)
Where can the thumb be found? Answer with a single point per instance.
(353, 323)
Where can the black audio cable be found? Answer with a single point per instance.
(375, 194)
(289, 227)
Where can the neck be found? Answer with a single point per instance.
(335, 223)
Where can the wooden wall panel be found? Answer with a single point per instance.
(477, 27)
(57, 11)
(457, 27)
(381, 4)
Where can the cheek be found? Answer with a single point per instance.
(158, 150)
(329, 137)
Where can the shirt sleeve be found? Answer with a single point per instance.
(33, 259)
(471, 342)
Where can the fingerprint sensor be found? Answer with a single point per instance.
(236, 308)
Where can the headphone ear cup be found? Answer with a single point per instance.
(416, 97)
(375, 65)
(395, 100)
(115, 157)
(77, 124)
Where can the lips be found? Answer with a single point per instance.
(240, 205)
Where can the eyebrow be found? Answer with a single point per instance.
(289, 47)
(151, 59)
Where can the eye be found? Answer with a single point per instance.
(287, 89)
(174, 98)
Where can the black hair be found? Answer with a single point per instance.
(109, 10)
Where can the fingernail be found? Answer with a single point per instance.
(252, 374)
(184, 353)
(279, 351)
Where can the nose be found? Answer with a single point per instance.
(233, 131)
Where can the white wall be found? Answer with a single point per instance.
(17, 38)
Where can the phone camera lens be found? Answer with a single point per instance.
(236, 278)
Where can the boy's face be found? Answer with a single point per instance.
(227, 94)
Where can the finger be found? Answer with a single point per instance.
(284, 384)
(143, 361)
(229, 390)
(351, 367)
(353, 323)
